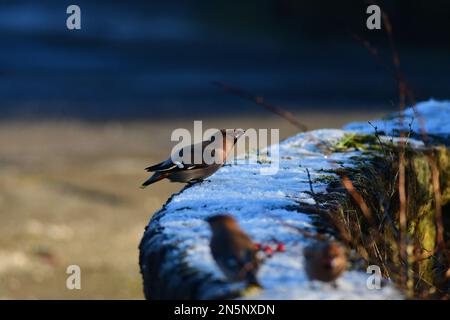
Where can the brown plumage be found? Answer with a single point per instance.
(233, 251)
(325, 261)
(188, 171)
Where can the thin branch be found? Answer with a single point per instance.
(402, 210)
(260, 101)
(438, 204)
(306, 234)
(310, 184)
(359, 200)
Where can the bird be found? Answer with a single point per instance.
(186, 170)
(233, 250)
(325, 260)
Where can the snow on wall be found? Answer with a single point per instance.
(260, 202)
(431, 115)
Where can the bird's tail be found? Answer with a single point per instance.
(156, 167)
(252, 288)
(154, 178)
(252, 281)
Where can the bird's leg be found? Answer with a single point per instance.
(334, 284)
(192, 182)
(202, 180)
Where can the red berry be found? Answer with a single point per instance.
(268, 250)
(257, 246)
(281, 247)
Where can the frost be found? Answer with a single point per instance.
(262, 204)
(432, 116)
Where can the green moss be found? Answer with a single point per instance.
(325, 178)
(355, 141)
(375, 177)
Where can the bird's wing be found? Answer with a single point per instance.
(196, 148)
(162, 166)
(192, 162)
(247, 258)
(185, 164)
(246, 252)
(308, 252)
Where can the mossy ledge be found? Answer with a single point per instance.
(374, 175)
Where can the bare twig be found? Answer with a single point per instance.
(306, 234)
(402, 210)
(260, 101)
(359, 200)
(438, 212)
(310, 184)
(379, 140)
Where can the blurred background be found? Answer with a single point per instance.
(83, 112)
